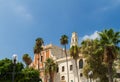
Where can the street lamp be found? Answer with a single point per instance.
(90, 74)
(14, 61)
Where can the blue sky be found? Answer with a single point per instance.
(22, 21)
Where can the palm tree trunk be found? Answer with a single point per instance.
(51, 77)
(46, 77)
(67, 63)
(110, 72)
(77, 70)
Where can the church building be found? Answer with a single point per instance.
(57, 53)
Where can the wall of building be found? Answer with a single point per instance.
(72, 73)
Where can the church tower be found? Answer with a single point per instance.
(74, 39)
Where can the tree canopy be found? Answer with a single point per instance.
(93, 54)
(27, 59)
(21, 74)
(38, 45)
(50, 68)
(109, 40)
(6, 69)
(29, 75)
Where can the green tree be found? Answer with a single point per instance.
(93, 55)
(6, 70)
(109, 41)
(50, 68)
(64, 42)
(38, 48)
(74, 53)
(27, 59)
(21, 74)
(29, 75)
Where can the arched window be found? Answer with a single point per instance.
(80, 63)
(63, 78)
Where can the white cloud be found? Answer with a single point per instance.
(92, 36)
(15, 8)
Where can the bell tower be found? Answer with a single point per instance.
(74, 39)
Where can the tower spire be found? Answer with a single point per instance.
(74, 39)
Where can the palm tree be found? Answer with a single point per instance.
(109, 40)
(50, 68)
(74, 53)
(38, 48)
(64, 42)
(27, 59)
(92, 52)
(86, 48)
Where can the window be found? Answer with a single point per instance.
(63, 78)
(72, 40)
(81, 74)
(41, 58)
(57, 69)
(80, 63)
(71, 67)
(63, 69)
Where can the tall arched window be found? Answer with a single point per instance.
(80, 63)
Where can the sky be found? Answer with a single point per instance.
(22, 21)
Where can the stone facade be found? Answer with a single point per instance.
(49, 51)
(72, 70)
